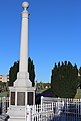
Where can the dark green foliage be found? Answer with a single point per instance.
(31, 71)
(80, 71)
(64, 79)
(79, 78)
(13, 73)
(15, 68)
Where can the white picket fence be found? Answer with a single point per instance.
(50, 109)
(4, 104)
(55, 109)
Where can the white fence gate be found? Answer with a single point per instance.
(55, 110)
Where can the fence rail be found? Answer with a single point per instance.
(50, 109)
(55, 110)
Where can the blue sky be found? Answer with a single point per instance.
(54, 34)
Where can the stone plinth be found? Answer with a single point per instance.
(19, 98)
(22, 80)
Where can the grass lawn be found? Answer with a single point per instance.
(41, 90)
(78, 94)
(3, 94)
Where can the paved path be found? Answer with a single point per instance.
(1, 120)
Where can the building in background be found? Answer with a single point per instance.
(4, 78)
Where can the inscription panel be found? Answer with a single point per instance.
(21, 98)
(30, 98)
(12, 98)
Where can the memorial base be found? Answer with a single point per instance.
(16, 113)
(19, 98)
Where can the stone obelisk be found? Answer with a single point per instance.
(23, 75)
(22, 93)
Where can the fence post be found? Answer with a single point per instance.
(0, 105)
(52, 106)
(41, 103)
(4, 105)
(80, 105)
(28, 113)
(58, 105)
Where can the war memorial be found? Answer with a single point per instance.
(21, 100)
(22, 93)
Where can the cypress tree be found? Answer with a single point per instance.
(15, 69)
(64, 80)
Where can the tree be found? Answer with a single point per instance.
(13, 73)
(79, 77)
(80, 71)
(64, 79)
(31, 71)
(15, 69)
